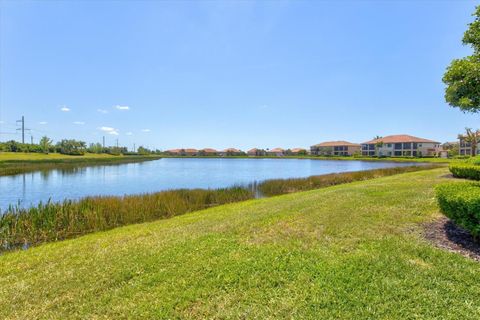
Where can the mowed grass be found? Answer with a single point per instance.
(352, 251)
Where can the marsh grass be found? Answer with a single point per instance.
(283, 186)
(23, 227)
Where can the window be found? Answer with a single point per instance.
(398, 146)
(398, 153)
(407, 145)
(414, 145)
(389, 145)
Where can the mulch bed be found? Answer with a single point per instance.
(446, 235)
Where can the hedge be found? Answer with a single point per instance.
(465, 170)
(461, 203)
(474, 160)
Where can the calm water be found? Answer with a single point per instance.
(151, 176)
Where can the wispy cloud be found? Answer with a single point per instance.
(65, 109)
(42, 122)
(109, 130)
(1, 121)
(146, 130)
(79, 123)
(129, 133)
(102, 111)
(123, 108)
(264, 106)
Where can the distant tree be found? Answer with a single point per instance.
(45, 144)
(95, 148)
(143, 151)
(471, 137)
(462, 76)
(378, 145)
(71, 147)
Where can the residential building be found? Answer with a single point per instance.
(466, 148)
(335, 148)
(174, 152)
(277, 152)
(297, 151)
(208, 152)
(231, 152)
(402, 145)
(189, 152)
(256, 152)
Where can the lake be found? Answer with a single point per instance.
(168, 173)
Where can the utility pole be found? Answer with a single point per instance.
(103, 142)
(117, 142)
(31, 139)
(134, 147)
(23, 128)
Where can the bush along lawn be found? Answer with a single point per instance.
(461, 203)
(465, 171)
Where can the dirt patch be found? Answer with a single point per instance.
(446, 235)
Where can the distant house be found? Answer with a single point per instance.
(256, 152)
(174, 152)
(231, 152)
(208, 152)
(296, 151)
(189, 152)
(277, 152)
(465, 148)
(402, 145)
(335, 148)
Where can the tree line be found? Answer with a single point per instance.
(70, 147)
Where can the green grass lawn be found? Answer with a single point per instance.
(352, 251)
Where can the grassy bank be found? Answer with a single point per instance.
(14, 163)
(282, 186)
(349, 251)
(20, 227)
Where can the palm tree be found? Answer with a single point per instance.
(45, 144)
(471, 137)
(378, 144)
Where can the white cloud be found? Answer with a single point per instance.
(123, 108)
(65, 109)
(79, 123)
(1, 121)
(146, 130)
(102, 111)
(263, 106)
(110, 130)
(129, 133)
(42, 122)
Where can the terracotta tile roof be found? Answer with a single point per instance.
(174, 151)
(191, 150)
(405, 138)
(297, 150)
(253, 150)
(231, 150)
(277, 150)
(209, 150)
(337, 143)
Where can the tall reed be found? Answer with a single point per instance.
(56, 221)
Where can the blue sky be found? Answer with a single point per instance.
(230, 74)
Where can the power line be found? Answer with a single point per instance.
(22, 128)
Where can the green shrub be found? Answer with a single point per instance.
(461, 203)
(465, 170)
